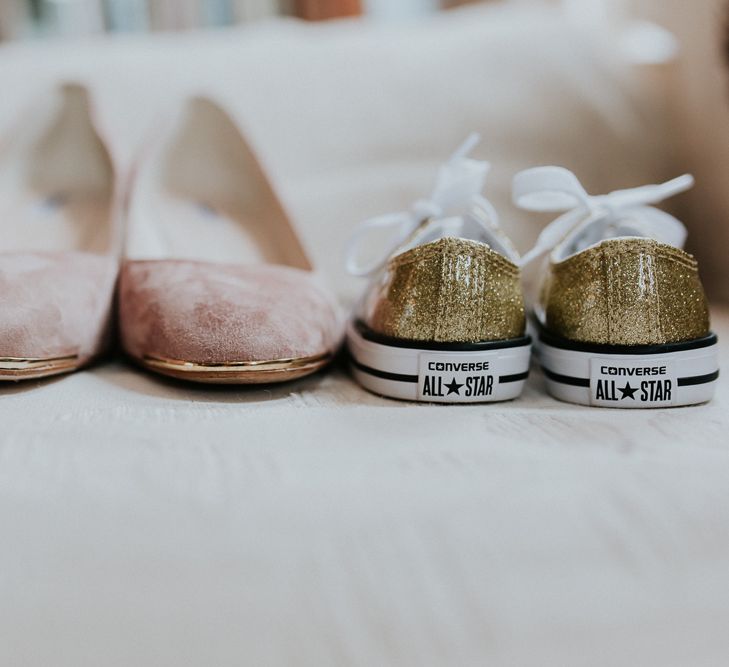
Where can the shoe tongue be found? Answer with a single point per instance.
(641, 222)
(463, 227)
(453, 226)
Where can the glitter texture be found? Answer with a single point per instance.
(626, 292)
(450, 290)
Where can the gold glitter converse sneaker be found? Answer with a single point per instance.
(443, 318)
(623, 320)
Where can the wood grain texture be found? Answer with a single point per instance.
(151, 522)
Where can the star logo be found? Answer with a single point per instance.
(627, 391)
(454, 388)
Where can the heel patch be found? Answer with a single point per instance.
(469, 378)
(645, 383)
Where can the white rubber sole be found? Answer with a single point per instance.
(659, 376)
(439, 373)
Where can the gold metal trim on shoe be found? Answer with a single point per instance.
(237, 372)
(18, 368)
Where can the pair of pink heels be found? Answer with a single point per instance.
(214, 284)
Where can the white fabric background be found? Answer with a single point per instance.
(353, 120)
(151, 523)
(155, 524)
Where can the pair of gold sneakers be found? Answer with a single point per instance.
(621, 319)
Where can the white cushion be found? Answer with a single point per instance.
(353, 118)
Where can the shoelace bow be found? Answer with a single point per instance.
(458, 188)
(548, 189)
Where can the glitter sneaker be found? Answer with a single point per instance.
(622, 316)
(443, 318)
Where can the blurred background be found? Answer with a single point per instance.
(28, 19)
(352, 117)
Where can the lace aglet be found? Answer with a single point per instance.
(681, 184)
(466, 147)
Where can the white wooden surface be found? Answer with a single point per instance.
(152, 523)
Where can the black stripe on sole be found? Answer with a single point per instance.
(518, 377)
(566, 379)
(374, 337)
(698, 379)
(582, 382)
(561, 343)
(396, 377)
(412, 379)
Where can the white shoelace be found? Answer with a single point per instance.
(548, 189)
(457, 190)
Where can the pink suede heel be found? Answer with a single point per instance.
(216, 286)
(59, 247)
